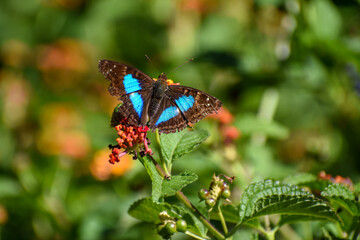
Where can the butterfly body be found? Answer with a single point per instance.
(156, 104)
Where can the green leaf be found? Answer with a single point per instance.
(341, 198)
(341, 195)
(288, 219)
(156, 179)
(174, 145)
(250, 124)
(338, 190)
(269, 197)
(147, 210)
(177, 182)
(357, 187)
(194, 224)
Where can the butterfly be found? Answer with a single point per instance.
(146, 102)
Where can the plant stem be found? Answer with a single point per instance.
(188, 204)
(222, 219)
(195, 236)
(357, 230)
(270, 235)
(267, 223)
(159, 169)
(267, 109)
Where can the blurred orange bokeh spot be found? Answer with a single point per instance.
(102, 170)
(16, 93)
(225, 119)
(64, 63)
(224, 116)
(3, 215)
(61, 132)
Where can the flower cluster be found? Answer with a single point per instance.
(130, 140)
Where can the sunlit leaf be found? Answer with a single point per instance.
(177, 182)
(342, 196)
(156, 179)
(174, 145)
(269, 197)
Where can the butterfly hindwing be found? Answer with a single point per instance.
(193, 103)
(134, 109)
(168, 117)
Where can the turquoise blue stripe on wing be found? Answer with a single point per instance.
(131, 84)
(185, 102)
(168, 114)
(137, 103)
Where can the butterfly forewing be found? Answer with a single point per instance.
(134, 89)
(124, 78)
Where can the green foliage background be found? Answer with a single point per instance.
(287, 70)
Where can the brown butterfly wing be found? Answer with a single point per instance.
(133, 87)
(168, 118)
(193, 103)
(115, 73)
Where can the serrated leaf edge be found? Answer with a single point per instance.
(257, 187)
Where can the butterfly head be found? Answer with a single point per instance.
(161, 86)
(162, 77)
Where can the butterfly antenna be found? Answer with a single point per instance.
(151, 63)
(147, 57)
(191, 59)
